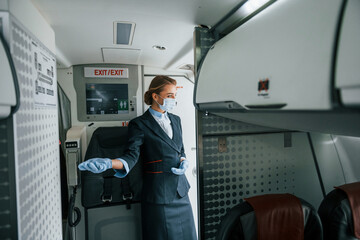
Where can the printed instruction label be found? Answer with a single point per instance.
(45, 94)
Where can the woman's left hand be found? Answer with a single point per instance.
(182, 168)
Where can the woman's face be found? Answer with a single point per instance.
(169, 91)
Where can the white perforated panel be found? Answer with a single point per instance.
(36, 140)
(255, 161)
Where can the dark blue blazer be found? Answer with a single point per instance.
(159, 154)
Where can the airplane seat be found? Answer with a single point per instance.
(103, 188)
(271, 216)
(340, 213)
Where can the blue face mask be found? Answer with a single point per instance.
(168, 104)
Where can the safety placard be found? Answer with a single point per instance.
(45, 94)
(95, 72)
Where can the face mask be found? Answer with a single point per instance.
(168, 104)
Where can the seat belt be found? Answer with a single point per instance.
(127, 194)
(125, 186)
(107, 195)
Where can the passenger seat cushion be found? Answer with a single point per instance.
(352, 191)
(231, 227)
(335, 214)
(239, 223)
(274, 212)
(313, 228)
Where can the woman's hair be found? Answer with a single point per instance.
(156, 86)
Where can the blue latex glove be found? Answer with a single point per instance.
(182, 168)
(96, 165)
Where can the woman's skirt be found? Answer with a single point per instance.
(173, 221)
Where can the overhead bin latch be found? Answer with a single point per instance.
(220, 106)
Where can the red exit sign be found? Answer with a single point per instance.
(94, 72)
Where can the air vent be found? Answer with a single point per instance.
(189, 67)
(123, 33)
(158, 47)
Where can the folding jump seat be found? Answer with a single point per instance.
(272, 216)
(111, 203)
(340, 213)
(105, 189)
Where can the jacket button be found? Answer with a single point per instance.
(179, 155)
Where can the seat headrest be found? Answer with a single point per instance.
(109, 137)
(107, 142)
(352, 191)
(278, 216)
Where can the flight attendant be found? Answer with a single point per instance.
(157, 137)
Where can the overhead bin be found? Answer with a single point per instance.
(8, 97)
(297, 59)
(348, 56)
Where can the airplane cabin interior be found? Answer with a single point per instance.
(268, 93)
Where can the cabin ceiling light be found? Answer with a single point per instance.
(158, 47)
(124, 33)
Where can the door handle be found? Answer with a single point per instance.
(266, 106)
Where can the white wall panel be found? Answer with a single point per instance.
(349, 152)
(256, 161)
(36, 139)
(31, 18)
(328, 160)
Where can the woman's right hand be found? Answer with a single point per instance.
(96, 165)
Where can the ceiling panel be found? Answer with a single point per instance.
(84, 27)
(121, 55)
